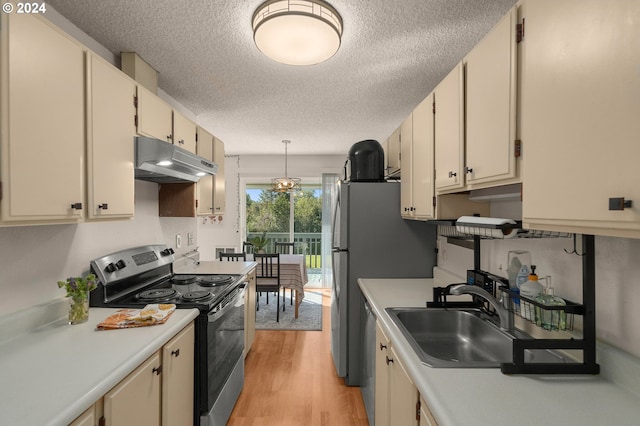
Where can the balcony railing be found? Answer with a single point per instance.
(307, 244)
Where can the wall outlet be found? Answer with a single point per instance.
(178, 241)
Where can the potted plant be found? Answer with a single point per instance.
(259, 242)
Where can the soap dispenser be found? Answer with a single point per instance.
(550, 319)
(531, 289)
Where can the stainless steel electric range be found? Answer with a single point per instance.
(138, 276)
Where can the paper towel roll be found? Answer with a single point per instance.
(486, 226)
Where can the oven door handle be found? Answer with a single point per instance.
(236, 300)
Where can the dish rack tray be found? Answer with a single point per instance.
(448, 228)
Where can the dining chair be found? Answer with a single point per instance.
(247, 247)
(284, 248)
(268, 278)
(233, 257)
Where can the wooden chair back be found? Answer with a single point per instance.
(233, 257)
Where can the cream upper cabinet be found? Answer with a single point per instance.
(392, 154)
(184, 132)
(403, 394)
(580, 116)
(490, 102)
(136, 400)
(381, 394)
(406, 165)
(110, 135)
(154, 117)
(204, 204)
(449, 132)
(177, 378)
(43, 111)
(422, 157)
(219, 192)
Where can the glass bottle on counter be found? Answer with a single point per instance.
(550, 319)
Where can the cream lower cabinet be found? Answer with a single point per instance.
(426, 418)
(110, 134)
(250, 312)
(580, 126)
(136, 400)
(88, 418)
(381, 398)
(43, 110)
(158, 392)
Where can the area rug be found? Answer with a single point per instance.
(309, 313)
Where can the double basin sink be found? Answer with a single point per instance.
(461, 338)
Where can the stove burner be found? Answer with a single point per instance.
(184, 279)
(159, 295)
(197, 296)
(214, 280)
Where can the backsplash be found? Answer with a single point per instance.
(34, 258)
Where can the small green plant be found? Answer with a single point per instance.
(78, 289)
(259, 242)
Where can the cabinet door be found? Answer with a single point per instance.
(422, 159)
(184, 132)
(219, 193)
(580, 126)
(406, 188)
(88, 418)
(154, 116)
(426, 418)
(43, 136)
(393, 153)
(136, 399)
(382, 378)
(177, 378)
(449, 132)
(111, 131)
(403, 394)
(490, 71)
(205, 184)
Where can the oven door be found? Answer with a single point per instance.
(225, 361)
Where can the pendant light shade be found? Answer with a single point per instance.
(286, 183)
(297, 32)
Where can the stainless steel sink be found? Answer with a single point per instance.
(460, 338)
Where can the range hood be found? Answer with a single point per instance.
(163, 162)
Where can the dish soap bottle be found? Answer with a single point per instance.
(550, 319)
(531, 289)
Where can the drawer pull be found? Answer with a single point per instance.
(176, 353)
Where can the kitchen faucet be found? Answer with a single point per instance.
(506, 318)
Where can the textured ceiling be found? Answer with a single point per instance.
(393, 53)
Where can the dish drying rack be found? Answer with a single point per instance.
(587, 345)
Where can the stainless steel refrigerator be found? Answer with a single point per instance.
(370, 240)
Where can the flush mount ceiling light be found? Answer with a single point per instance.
(297, 32)
(285, 184)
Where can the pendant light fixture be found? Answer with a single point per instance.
(286, 183)
(297, 32)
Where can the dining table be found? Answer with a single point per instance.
(293, 275)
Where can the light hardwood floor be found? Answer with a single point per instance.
(290, 380)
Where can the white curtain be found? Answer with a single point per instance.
(329, 193)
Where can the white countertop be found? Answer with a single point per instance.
(468, 396)
(216, 267)
(52, 373)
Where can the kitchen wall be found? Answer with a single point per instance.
(617, 272)
(228, 230)
(34, 258)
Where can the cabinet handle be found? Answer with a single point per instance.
(76, 206)
(389, 360)
(176, 353)
(157, 370)
(468, 170)
(169, 137)
(383, 346)
(452, 174)
(181, 141)
(103, 206)
(619, 203)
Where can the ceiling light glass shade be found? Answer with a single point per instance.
(297, 32)
(285, 184)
